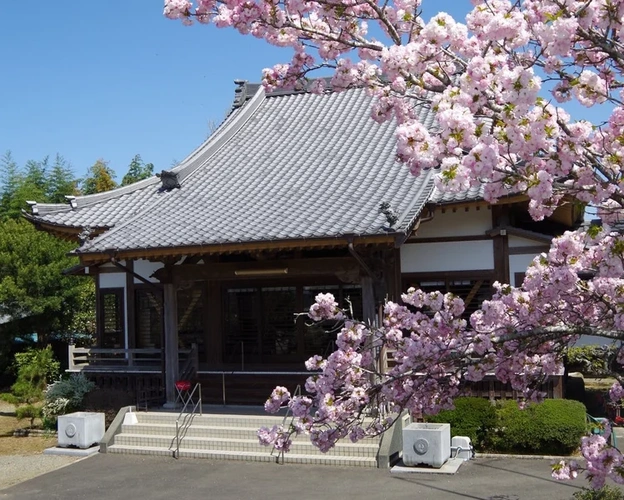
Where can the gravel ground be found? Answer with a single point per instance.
(17, 468)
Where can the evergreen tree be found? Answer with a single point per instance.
(137, 171)
(10, 180)
(60, 181)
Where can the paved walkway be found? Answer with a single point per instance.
(111, 477)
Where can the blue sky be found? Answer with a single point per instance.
(111, 79)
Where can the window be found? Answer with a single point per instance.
(261, 323)
(111, 324)
(191, 317)
(149, 317)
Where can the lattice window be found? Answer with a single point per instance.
(191, 317)
(149, 318)
(112, 331)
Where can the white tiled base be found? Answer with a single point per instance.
(450, 467)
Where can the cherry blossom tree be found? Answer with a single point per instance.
(499, 83)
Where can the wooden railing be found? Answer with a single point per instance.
(101, 359)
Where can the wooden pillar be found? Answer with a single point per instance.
(368, 299)
(170, 308)
(130, 307)
(99, 322)
(500, 218)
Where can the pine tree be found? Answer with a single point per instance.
(137, 170)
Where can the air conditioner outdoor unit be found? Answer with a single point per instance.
(428, 444)
(81, 429)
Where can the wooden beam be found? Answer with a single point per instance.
(295, 267)
(529, 250)
(162, 252)
(449, 239)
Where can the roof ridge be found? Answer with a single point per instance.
(186, 167)
(225, 133)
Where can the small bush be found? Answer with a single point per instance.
(472, 417)
(10, 398)
(552, 427)
(65, 396)
(604, 493)
(73, 389)
(28, 411)
(35, 368)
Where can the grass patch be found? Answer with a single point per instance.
(10, 445)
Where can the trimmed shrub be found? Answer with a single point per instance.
(28, 411)
(552, 427)
(472, 417)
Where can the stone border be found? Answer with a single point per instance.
(34, 432)
(114, 428)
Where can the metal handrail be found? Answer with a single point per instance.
(181, 430)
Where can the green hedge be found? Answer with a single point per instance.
(472, 417)
(552, 427)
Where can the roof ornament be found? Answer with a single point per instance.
(33, 207)
(169, 180)
(72, 201)
(387, 210)
(240, 93)
(85, 235)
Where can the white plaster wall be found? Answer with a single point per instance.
(517, 241)
(518, 264)
(452, 256)
(146, 268)
(459, 223)
(112, 280)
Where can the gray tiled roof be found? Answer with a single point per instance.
(442, 197)
(281, 167)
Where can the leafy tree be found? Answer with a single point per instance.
(137, 170)
(32, 285)
(498, 84)
(100, 178)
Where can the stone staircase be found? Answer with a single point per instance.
(231, 437)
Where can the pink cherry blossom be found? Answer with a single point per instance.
(497, 82)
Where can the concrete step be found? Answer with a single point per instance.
(193, 431)
(208, 431)
(212, 420)
(247, 456)
(299, 446)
